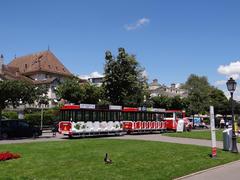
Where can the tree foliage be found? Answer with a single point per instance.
(168, 102)
(14, 92)
(201, 95)
(70, 90)
(219, 101)
(198, 93)
(76, 92)
(41, 94)
(124, 83)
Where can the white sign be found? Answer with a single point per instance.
(158, 110)
(180, 125)
(87, 106)
(114, 107)
(213, 132)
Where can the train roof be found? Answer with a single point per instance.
(110, 107)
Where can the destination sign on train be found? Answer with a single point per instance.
(87, 106)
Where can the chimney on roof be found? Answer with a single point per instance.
(1, 63)
(173, 86)
(155, 81)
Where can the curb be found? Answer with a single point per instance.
(206, 170)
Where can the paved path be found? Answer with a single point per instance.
(43, 138)
(162, 138)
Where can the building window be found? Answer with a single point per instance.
(25, 66)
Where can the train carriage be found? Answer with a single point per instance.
(90, 120)
(173, 116)
(94, 120)
(139, 120)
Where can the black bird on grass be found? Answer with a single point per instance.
(107, 160)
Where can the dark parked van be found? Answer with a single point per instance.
(18, 128)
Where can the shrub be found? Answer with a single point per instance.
(35, 118)
(10, 114)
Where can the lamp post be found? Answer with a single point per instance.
(231, 85)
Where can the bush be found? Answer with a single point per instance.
(49, 118)
(10, 114)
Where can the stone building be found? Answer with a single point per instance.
(38, 68)
(157, 89)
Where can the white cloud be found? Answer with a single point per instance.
(92, 75)
(231, 70)
(138, 24)
(85, 77)
(234, 76)
(178, 85)
(95, 74)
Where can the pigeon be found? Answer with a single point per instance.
(107, 160)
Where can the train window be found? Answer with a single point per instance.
(86, 116)
(125, 116)
(159, 117)
(169, 115)
(132, 116)
(139, 117)
(145, 116)
(154, 116)
(179, 115)
(78, 115)
(119, 116)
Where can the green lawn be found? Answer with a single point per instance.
(206, 134)
(83, 159)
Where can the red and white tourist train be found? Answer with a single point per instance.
(94, 120)
(173, 116)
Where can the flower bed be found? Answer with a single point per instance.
(8, 155)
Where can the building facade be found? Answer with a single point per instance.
(38, 68)
(157, 89)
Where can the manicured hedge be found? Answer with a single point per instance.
(10, 114)
(35, 118)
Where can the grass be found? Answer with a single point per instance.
(83, 159)
(205, 134)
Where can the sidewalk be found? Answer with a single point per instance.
(43, 138)
(230, 171)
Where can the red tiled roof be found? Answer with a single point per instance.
(44, 61)
(12, 73)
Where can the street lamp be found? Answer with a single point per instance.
(231, 85)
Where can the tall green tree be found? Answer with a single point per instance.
(198, 93)
(15, 92)
(76, 92)
(93, 94)
(124, 83)
(168, 102)
(177, 102)
(219, 101)
(161, 102)
(71, 90)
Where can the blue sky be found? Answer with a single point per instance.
(170, 38)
